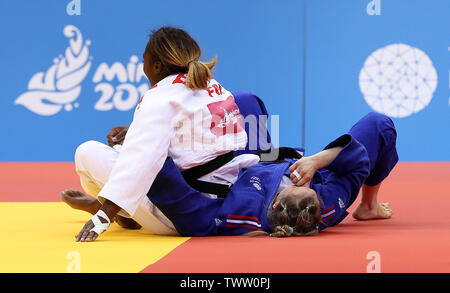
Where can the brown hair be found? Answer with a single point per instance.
(289, 219)
(178, 52)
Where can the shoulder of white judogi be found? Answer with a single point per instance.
(169, 90)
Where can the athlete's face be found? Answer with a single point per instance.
(297, 193)
(153, 70)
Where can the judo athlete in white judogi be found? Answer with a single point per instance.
(124, 174)
(186, 115)
(94, 162)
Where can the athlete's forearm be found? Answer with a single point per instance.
(325, 157)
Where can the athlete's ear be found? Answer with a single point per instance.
(157, 67)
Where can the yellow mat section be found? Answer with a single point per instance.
(39, 237)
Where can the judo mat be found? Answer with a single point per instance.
(38, 233)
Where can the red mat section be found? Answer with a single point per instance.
(416, 239)
(36, 181)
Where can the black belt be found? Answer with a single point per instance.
(221, 190)
(281, 154)
(191, 176)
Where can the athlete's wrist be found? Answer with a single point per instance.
(318, 161)
(110, 209)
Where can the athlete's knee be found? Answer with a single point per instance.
(86, 150)
(385, 126)
(377, 118)
(382, 122)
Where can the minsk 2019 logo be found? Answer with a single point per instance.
(398, 80)
(60, 86)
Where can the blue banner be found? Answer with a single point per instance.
(71, 70)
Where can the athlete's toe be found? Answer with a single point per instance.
(385, 211)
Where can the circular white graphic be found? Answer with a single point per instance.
(398, 80)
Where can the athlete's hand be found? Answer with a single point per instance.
(305, 167)
(85, 235)
(117, 135)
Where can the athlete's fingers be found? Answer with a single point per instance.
(306, 184)
(275, 205)
(85, 231)
(296, 166)
(78, 237)
(112, 133)
(294, 178)
(110, 142)
(295, 175)
(120, 136)
(82, 236)
(110, 139)
(91, 236)
(301, 176)
(302, 182)
(293, 167)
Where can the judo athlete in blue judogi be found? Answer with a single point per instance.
(289, 197)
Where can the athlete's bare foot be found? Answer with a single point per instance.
(377, 211)
(80, 201)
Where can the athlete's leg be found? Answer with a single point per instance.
(377, 133)
(93, 163)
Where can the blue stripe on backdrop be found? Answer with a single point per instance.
(258, 42)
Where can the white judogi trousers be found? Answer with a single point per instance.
(94, 162)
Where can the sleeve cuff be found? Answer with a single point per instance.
(349, 158)
(341, 141)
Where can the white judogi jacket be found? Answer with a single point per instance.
(191, 126)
